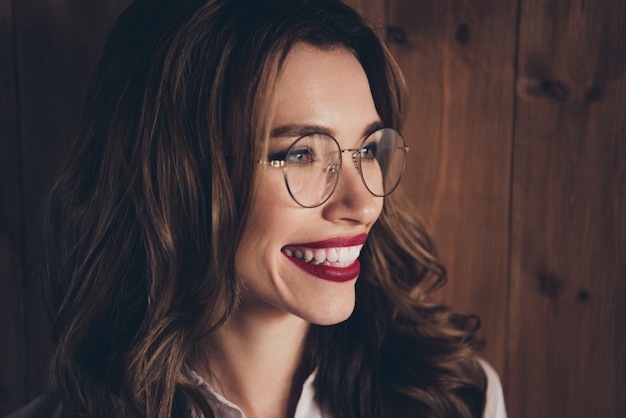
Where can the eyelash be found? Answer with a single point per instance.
(282, 155)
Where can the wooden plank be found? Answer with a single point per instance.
(11, 318)
(57, 42)
(457, 57)
(568, 259)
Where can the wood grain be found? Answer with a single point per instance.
(11, 298)
(457, 58)
(568, 269)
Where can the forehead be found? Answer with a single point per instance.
(326, 87)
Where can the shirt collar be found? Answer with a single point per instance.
(307, 407)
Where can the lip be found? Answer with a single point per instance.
(334, 242)
(333, 274)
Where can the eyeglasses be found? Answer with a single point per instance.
(312, 164)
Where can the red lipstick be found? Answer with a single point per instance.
(325, 271)
(333, 274)
(334, 242)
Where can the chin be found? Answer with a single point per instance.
(332, 313)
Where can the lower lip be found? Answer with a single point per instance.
(333, 274)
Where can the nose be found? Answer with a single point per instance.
(352, 202)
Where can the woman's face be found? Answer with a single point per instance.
(318, 91)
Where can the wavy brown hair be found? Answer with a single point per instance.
(145, 219)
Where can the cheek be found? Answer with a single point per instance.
(268, 218)
(380, 206)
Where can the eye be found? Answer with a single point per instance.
(368, 151)
(300, 156)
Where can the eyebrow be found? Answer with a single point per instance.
(297, 130)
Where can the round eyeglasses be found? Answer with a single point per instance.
(312, 164)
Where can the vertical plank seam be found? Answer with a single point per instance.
(21, 210)
(516, 59)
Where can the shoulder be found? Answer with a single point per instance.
(44, 406)
(494, 407)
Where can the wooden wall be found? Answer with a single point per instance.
(517, 131)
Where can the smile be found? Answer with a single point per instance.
(334, 259)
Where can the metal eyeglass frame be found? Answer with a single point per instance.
(356, 161)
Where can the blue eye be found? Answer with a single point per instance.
(368, 151)
(300, 156)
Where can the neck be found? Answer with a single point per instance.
(256, 361)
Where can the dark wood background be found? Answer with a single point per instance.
(517, 131)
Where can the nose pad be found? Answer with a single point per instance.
(355, 160)
(332, 173)
(354, 156)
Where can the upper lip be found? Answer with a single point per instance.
(344, 241)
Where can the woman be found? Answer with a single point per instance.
(224, 241)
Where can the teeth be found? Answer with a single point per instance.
(337, 257)
(332, 255)
(344, 255)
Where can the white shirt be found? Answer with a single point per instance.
(494, 407)
(308, 408)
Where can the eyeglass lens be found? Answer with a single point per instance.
(313, 163)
